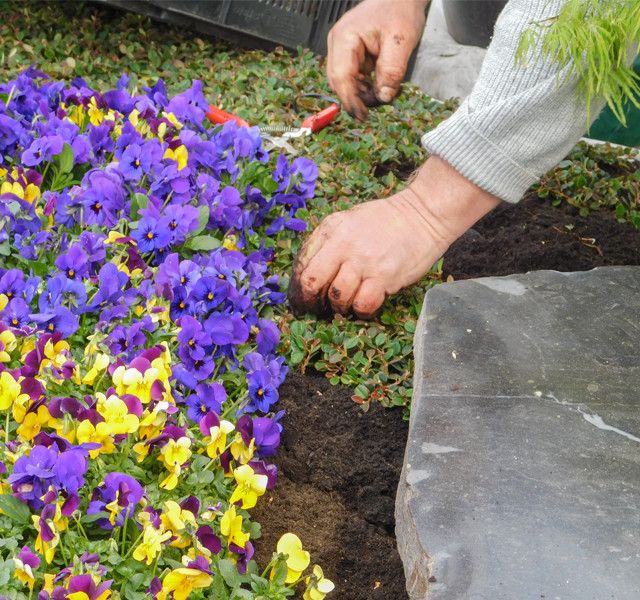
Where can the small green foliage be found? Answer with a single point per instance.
(598, 39)
(598, 177)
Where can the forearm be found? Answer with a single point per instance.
(520, 120)
(448, 200)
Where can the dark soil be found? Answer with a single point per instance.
(339, 467)
(535, 235)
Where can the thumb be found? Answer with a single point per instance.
(391, 65)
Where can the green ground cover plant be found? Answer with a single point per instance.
(356, 161)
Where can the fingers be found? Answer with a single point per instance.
(368, 299)
(344, 288)
(314, 269)
(345, 57)
(395, 51)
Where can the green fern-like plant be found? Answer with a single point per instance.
(599, 39)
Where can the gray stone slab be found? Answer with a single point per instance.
(522, 471)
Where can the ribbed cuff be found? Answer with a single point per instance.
(477, 158)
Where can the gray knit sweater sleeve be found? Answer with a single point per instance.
(520, 120)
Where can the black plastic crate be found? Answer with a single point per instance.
(255, 23)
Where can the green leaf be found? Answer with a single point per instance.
(5, 248)
(202, 243)
(65, 159)
(296, 357)
(15, 509)
(6, 570)
(138, 202)
(279, 573)
(218, 589)
(92, 518)
(229, 573)
(203, 218)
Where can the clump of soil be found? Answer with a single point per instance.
(535, 235)
(339, 469)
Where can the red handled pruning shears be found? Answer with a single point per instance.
(276, 136)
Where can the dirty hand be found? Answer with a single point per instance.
(380, 33)
(356, 258)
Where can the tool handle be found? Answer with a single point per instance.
(219, 116)
(321, 119)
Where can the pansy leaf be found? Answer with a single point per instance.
(229, 573)
(6, 569)
(65, 159)
(202, 243)
(138, 202)
(218, 589)
(203, 218)
(92, 518)
(279, 573)
(15, 509)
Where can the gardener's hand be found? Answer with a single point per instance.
(380, 33)
(356, 258)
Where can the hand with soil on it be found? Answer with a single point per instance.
(375, 35)
(356, 258)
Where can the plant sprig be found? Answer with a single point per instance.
(598, 40)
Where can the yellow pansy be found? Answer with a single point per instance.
(176, 519)
(33, 423)
(10, 391)
(151, 544)
(131, 381)
(24, 572)
(317, 586)
(7, 344)
(229, 242)
(180, 155)
(87, 432)
(14, 188)
(3, 301)
(181, 582)
(231, 527)
(117, 418)
(297, 558)
(240, 452)
(49, 579)
(31, 193)
(96, 116)
(20, 407)
(55, 355)
(76, 114)
(174, 454)
(218, 441)
(173, 120)
(249, 486)
(100, 364)
(82, 596)
(57, 525)
(115, 237)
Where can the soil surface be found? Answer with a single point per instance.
(534, 235)
(339, 467)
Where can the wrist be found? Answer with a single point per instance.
(449, 199)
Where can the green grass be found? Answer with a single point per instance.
(357, 162)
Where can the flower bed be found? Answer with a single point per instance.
(139, 371)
